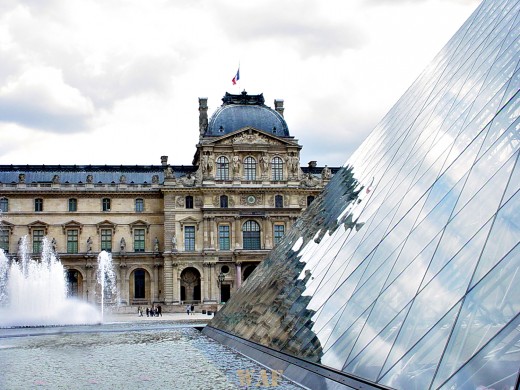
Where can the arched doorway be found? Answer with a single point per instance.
(74, 283)
(139, 286)
(190, 285)
(248, 270)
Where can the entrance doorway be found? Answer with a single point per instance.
(190, 285)
(225, 292)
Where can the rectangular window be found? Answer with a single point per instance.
(37, 240)
(73, 204)
(138, 240)
(139, 205)
(4, 205)
(106, 240)
(189, 202)
(223, 237)
(189, 238)
(72, 241)
(279, 232)
(38, 204)
(106, 204)
(4, 240)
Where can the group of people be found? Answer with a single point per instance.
(190, 309)
(154, 311)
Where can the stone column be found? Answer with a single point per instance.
(168, 281)
(238, 271)
(176, 287)
(155, 292)
(238, 232)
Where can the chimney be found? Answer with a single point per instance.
(203, 115)
(164, 160)
(278, 106)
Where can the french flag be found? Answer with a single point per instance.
(237, 77)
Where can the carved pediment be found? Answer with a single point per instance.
(72, 225)
(250, 136)
(106, 224)
(4, 225)
(190, 221)
(38, 225)
(139, 224)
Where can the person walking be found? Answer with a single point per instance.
(192, 309)
(188, 309)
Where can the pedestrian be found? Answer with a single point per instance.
(159, 310)
(192, 309)
(147, 312)
(188, 309)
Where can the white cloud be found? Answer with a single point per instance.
(133, 70)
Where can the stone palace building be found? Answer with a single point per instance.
(176, 234)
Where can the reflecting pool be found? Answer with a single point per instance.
(132, 355)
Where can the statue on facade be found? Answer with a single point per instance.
(156, 245)
(236, 165)
(264, 163)
(174, 243)
(55, 179)
(21, 178)
(89, 245)
(54, 244)
(122, 245)
(122, 179)
(90, 179)
(326, 173)
(207, 164)
(155, 179)
(168, 173)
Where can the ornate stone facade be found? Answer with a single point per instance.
(177, 234)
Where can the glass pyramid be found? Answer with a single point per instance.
(406, 271)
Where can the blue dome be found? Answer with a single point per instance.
(239, 111)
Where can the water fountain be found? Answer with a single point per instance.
(34, 292)
(106, 278)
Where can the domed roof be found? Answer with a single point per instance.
(239, 111)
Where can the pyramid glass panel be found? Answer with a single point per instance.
(405, 272)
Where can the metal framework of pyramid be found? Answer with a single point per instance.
(406, 271)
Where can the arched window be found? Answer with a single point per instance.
(4, 205)
(277, 168)
(222, 168)
(249, 168)
(224, 201)
(139, 284)
(189, 202)
(251, 235)
(278, 201)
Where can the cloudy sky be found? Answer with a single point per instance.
(118, 81)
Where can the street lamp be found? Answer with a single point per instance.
(220, 280)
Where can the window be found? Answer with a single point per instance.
(139, 240)
(278, 201)
(106, 204)
(38, 204)
(250, 168)
(251, 235)
(4, 205)
(73, 204)
(224, 201)
(139, 205)
(310, 198)
(37, 240)
(4, 240)
(72, 241)
(189, 238)
(223, 237)
(279, 232)
(222, 168)
(189, 202)
(106, 240)
(277, 168)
